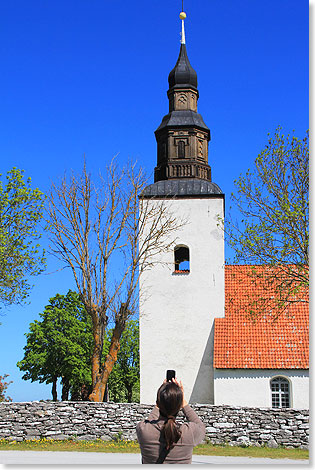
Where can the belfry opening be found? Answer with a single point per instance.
(181, 255)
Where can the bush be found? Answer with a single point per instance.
(3, 387)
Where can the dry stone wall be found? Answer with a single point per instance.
(107, 421)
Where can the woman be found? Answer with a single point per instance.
(161, 439)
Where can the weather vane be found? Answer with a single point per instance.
(182, 16)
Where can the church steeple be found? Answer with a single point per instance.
(182, 137)
(192, 266)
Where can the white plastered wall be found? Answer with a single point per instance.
(251, 387)
(177, 310)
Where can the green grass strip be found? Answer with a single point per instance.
(256, 452)
(124, 446)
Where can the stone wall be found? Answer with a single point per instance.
(88, 421)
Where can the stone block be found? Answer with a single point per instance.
(243, 441)
(272, 443)
(31, 432)
(224, 425)
(211, 429)
(87, 437)
(256, 444)
(62, 437)
(222, 420)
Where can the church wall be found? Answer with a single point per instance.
(251, 387)
(177, 310)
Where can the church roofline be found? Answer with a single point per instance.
(190, 187)
(183, 118)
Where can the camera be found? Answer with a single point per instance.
(170, 374)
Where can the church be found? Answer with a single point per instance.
(188, 316)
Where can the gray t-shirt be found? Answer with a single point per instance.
(151, 443)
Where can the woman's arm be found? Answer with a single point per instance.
(154, 415)
(197, 427)
(182, 389)
(195, 424)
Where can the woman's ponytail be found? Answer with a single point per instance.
(169, 401)
(171, 432)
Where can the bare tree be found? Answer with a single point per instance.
(98, 231)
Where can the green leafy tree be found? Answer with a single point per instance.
(124, 381)
(60, 346)
(3, 388)
(21, 208)
(273, 230)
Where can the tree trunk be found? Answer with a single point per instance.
(85, 392)
(129, 394)
(102, 378)
(106, 394)
(97, 352)
(65, 389)
(54, 389)
(75, 394)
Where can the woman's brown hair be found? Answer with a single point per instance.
(170, 400)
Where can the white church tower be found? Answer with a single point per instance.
(182, 293)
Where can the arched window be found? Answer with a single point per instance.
(181, 258)
(280, 392)
(181, 149)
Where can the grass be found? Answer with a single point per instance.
(123, 446)
(72, 445)
(257, 452)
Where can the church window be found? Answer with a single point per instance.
(181, 258)
(181, 149)
(280, 392)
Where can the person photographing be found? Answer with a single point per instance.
(161, 439)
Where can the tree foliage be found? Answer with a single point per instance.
(3, 388)
(60, 345)
(97, 231)
(273, 228)
(21, 208)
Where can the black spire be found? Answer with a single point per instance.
(182, 75)
(182, 137)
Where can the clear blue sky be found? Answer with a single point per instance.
(90, 77)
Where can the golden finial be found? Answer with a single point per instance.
(182, 16)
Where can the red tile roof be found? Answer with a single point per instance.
(265, 342)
